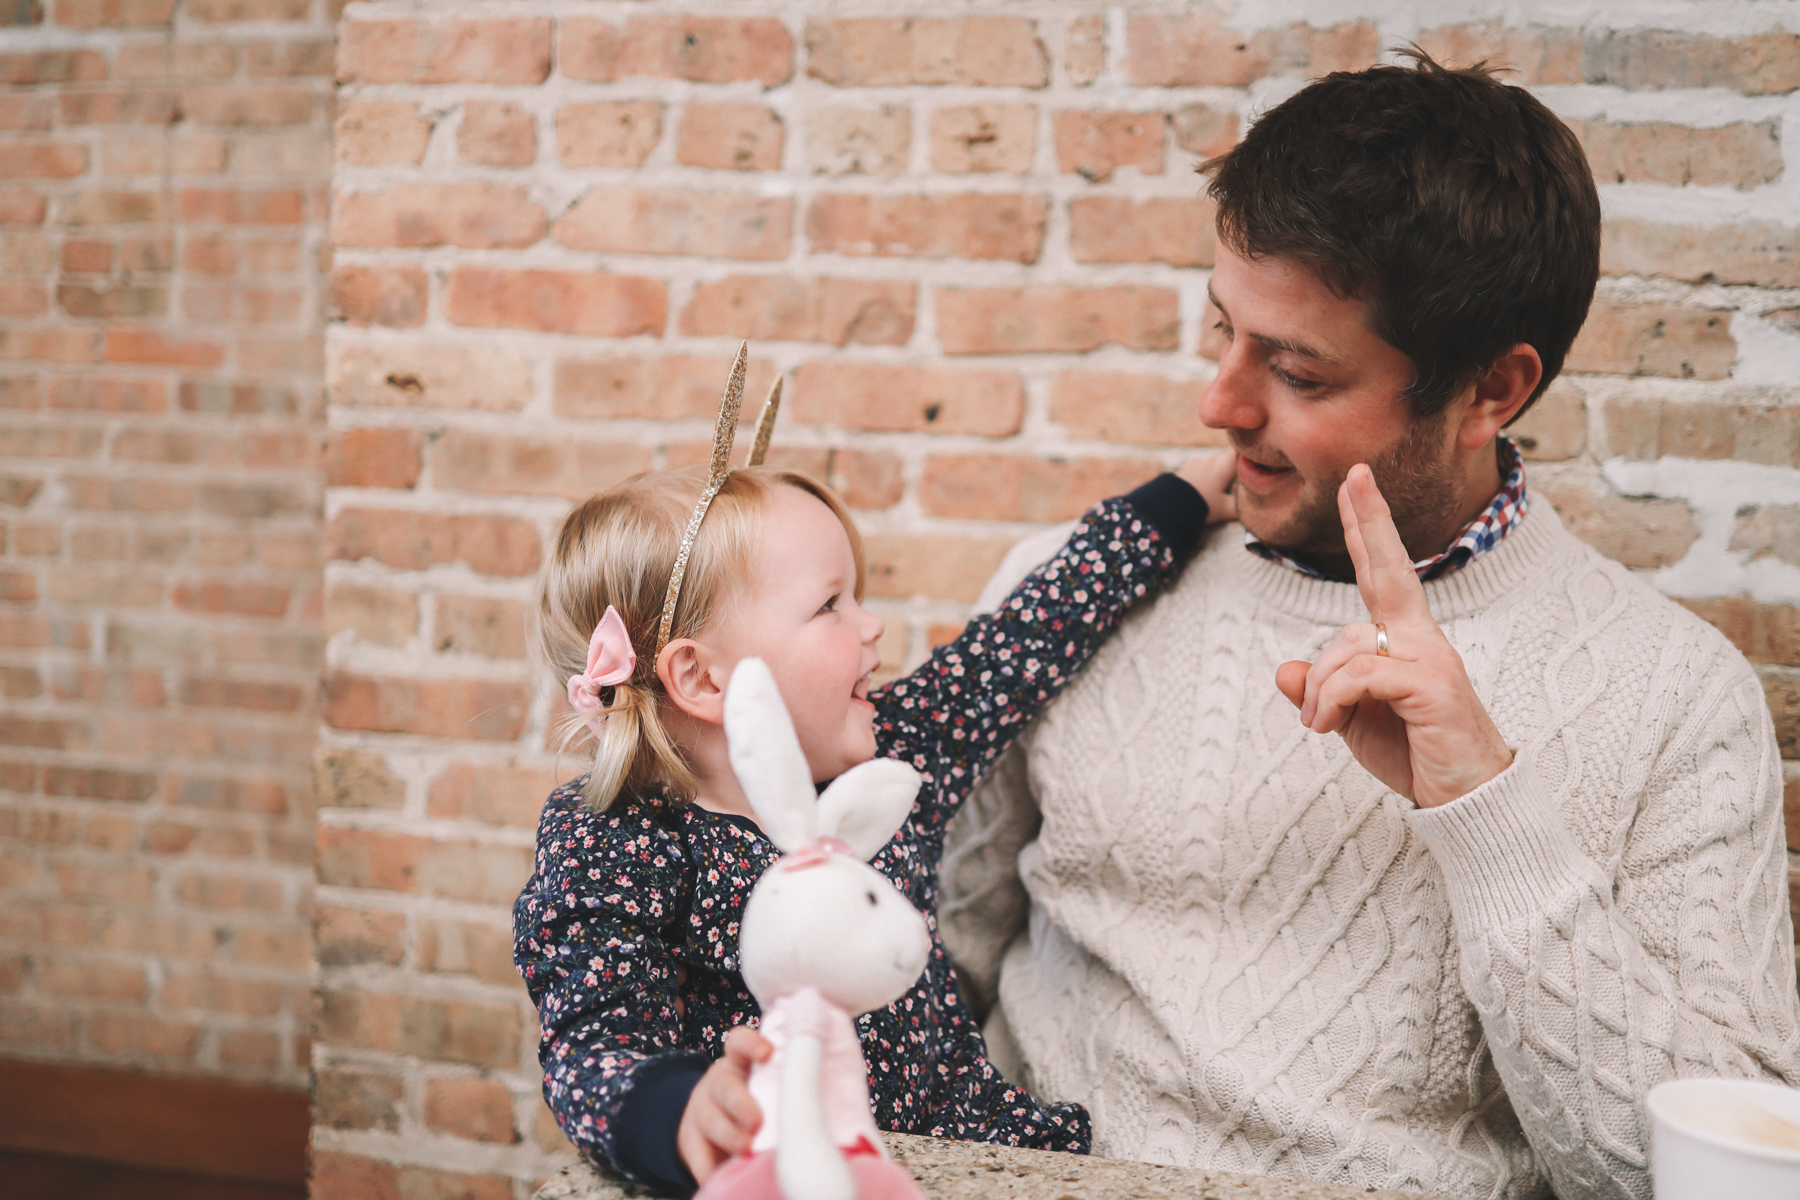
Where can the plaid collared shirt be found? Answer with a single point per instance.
(1478, 536)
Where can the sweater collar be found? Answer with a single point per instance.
(1522, 558)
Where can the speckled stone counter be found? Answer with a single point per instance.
(949, 1170)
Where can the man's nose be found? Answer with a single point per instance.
(1232, 400)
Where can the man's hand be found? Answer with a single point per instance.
(1411, 718)
(1213, 476)
(721, 1117)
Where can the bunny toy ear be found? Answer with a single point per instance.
(867, 804)
(766, 755)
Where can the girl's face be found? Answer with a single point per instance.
(800, 615)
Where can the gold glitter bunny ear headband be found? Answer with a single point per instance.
(724, 434)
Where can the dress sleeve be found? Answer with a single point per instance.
(949, 718)
(591, 936)
(1583, 1012)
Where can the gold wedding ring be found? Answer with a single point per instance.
(1381, 642)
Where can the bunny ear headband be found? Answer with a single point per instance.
(611, 658)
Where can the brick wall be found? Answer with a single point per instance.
(974, 245)
(163, 168)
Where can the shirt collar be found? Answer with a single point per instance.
(1477, 537)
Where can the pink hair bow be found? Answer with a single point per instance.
(610, 662)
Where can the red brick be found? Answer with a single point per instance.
(1066, 319)
(934, 565)
(99, 783)
(730, 137)
(1671, 340)
(42, 160)
(479, 1110)
(35, 114)
(1175, 230)
(489, 626)
(1084, 49)
(1142, 409)
(783, 308)
(1755, 252)
(508, 50)
(532, 465)
(379, 616)
(857, 141)
(290, 59)
(617, 133)
(633, 220)
(153, 59)
(448, 947)
(1781, 688)
(368, 858)
(475, 216)
(906, 397)
(114, 208)
(444, 375)
(971, 225)
(374, 457)
(247, 10)
(1740, 155)
(672, 387)
(496, 133)
(1095, 144)
(241, 694)
(1204, 130)
(264, 797)
(983, 137)
(891, 51)
(378, 295)
(1635, 532)
(493, 795)
(557, 301)
(271, 206)
(346, 778)
(451, 708)
(93, 14)
(412, 541)
(342, 1176)
(242, 597)
(694, 48)
(22, 206)
(150, 346)
(1199, 51)
(868, 480)
(1757, 65)
(82, 300)
(1004, 487)
(380, 132)
(21, 300)
(1768, 531)
(349, 937)
(52, 66)
(1554, 429)
(1533, 54)
(237, 106)
(1765, 633)
(447, 1030)
(133, 106)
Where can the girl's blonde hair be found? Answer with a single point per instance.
(619, 548)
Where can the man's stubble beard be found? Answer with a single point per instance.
(1418, 478)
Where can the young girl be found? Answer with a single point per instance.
(626, 933)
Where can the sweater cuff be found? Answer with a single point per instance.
(649, 1118)
(1504, 849)
(1175, 507)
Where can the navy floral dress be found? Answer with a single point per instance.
(627, 932)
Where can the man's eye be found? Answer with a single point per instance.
(1299, 385)
(1223, 328)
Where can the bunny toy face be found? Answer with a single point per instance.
(821, 917)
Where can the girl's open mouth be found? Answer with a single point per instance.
(861, 690)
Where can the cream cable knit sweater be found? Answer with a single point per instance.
(1242, 952)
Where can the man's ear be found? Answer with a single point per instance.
(1499, 394)
(691, 675)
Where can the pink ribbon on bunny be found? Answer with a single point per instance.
(610, 662)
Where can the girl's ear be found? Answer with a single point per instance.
(688, 674)
(766, 755)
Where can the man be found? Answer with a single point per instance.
(1541, 868)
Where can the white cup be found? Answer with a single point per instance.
(1705, 1144)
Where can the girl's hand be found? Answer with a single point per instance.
(1214, 476)
(721, 1117)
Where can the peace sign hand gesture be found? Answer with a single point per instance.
(1406, 708)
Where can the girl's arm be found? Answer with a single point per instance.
(591, 938)
(949, 718)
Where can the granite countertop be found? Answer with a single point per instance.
(948, 1170)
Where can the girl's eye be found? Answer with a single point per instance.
(829, 606)
(1297, 384)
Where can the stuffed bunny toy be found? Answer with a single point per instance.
(825, 937)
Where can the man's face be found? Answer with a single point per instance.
(1306, 390)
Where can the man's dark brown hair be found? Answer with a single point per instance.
(1458, 208)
